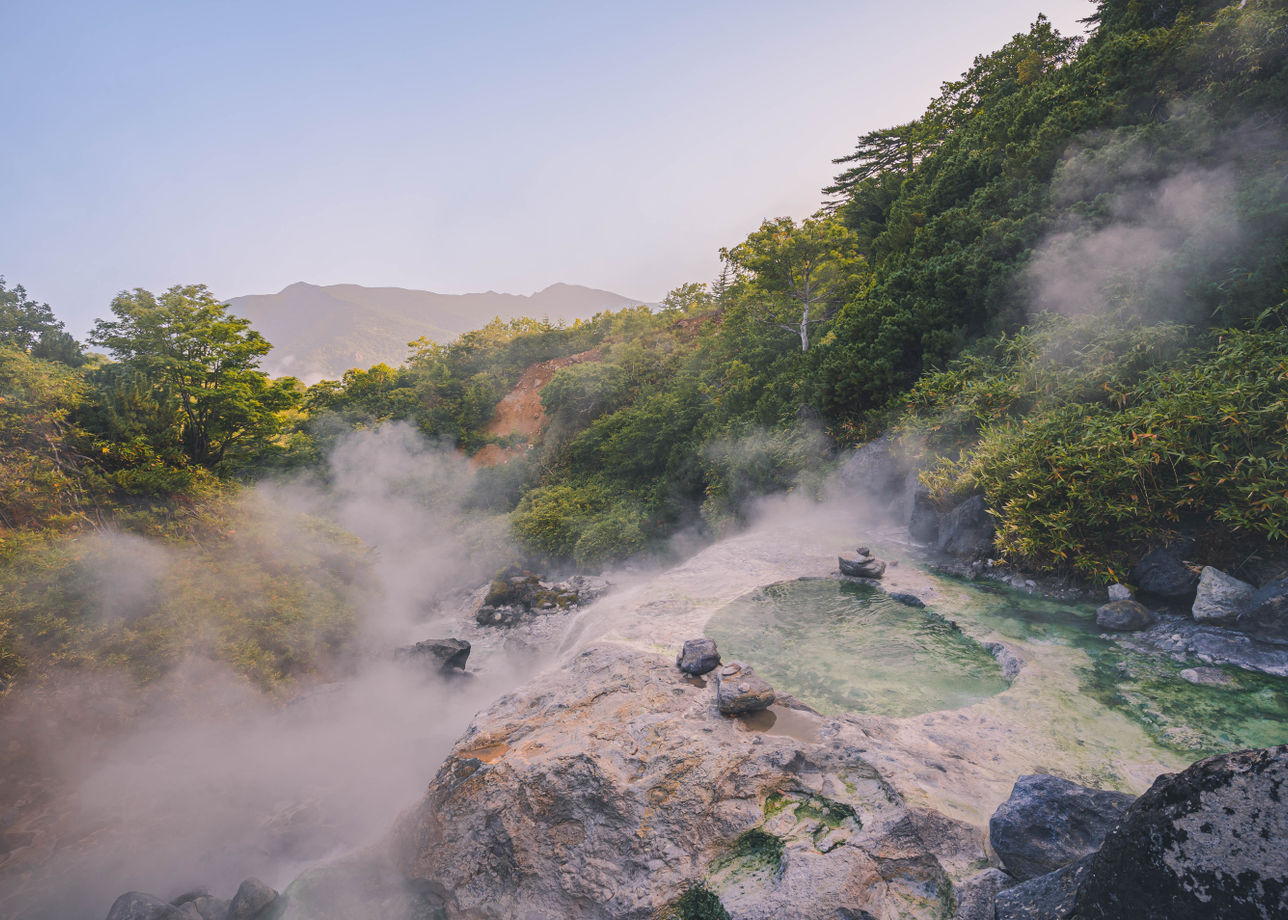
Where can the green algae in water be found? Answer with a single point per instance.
(842, 647)
(1200, 720)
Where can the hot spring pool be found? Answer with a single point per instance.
(841, 647)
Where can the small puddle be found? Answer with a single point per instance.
(779, 721)
(488, 753)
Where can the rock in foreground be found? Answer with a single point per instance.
(1205, 843)
(741, 690)
(1220, 598)
(437, 654)
(610, 786)
(1049, 822)
(698, 657)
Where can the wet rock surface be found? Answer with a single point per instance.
(740, 690)
(1124, 616)
(1212, 645)
(1049, 822)
(611, 785)
(698, 657)
(1207, 842)
(436, 654)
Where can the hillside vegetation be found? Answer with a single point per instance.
(1063, 283)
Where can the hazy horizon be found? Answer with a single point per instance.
(438, 148)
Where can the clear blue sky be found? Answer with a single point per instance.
(446, 146)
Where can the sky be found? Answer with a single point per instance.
(450, 147)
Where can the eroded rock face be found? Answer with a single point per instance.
(612, 783)
(1049, 822)
(1208, 842)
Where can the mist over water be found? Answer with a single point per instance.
(206, 780)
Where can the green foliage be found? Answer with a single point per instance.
(1082, 484)
(32, 327)
(199, 364)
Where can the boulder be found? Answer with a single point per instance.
(698, 656)
(1049, 822)
(1163, 573)
(136, 905)
(1124, 616)
(1208, 842)
(967, 530)
(516, 594)
(253, 897)
(976, 895)
(200, 905)
(1119, 592)
(437, 654)
(1266, 614)
(861, 567)
(1221, 597)
(610, 789)
(923, 522)
(741, 690)
(1047, 897)
(877, 467)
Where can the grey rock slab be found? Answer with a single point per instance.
(1048, 822)
(1047, 897)
(967, 530)
(1220, 597)
(976, 895)
(1266, 614)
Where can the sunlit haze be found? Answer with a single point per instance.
(449, 147)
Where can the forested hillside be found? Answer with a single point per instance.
(1064, 284)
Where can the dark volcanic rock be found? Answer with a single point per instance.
(698, 656)
(1047, 897)
(1266, 614)
(1124, 616)
(136, 905)
(1048, 822)
(252, 898)
(862, 567)
(1205, 843)
(923, 524)
(741, 689)
(441, 654)
(1220, 597)
(908, 600)
(967, 530)
(976, 895)
(1163, 573)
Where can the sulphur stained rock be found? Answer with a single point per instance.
(1221, 597)
(698, 656)
(608, 786)
(740, 690)
(1124, 616)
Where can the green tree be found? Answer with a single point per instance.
(31, 326)
(797, 276)
(195, 354)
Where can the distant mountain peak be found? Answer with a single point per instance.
(320, 331)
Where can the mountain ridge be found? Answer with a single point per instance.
(320, 331)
